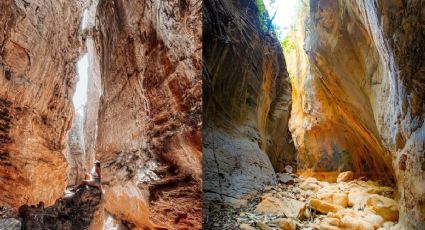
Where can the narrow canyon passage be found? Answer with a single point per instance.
(139, 113)
(338, 92)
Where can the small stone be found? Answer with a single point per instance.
(285, 223)
(345, 176)
(323, 206)
(285, 178)
(288, 169)
(246, 227)
(263, 226)
(307, 185)
(383, 206)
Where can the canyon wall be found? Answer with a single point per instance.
(94, 88)
(76, 151)
(39, 47)
(149, 123)
(246, 102)
(358, 78)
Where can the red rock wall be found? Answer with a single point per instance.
(149, 126)
(39, 46)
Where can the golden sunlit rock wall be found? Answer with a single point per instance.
(358, 94)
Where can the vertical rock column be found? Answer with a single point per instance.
(39, 46)
(149, 125)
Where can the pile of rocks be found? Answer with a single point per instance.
(306, 203)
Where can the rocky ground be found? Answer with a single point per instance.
(73, 211)
(306, 203)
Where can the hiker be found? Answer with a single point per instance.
(92, 179)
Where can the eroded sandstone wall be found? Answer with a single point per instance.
(246, 102)
(358, 94)
(149, 124)
(39, 46)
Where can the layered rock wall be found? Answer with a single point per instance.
(358, 94)
(39, 46)
(246, 101)
(149, 124)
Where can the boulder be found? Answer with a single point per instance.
(345, 176)
(309, 185)
(383, 206)
(352, 223)
(332, 221)
(326, 226)
(323, 206)
(357, 198)
(375, 220)
(289, 207)
(340, 199)
(285, 224)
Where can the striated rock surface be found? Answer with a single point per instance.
(149, 123)
(73, 212)
(246, 102)
(39, 46)
(76, 151)
(94, 89)
(358, 78)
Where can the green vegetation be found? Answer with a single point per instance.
(287, 45)
(263, 15)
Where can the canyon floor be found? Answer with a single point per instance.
(306, 203)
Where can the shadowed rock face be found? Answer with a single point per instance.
(73, 212)
(246, 102)
(39, 46)
(149, 124)
(358, 94)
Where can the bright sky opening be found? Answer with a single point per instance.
(80, 96)
(286, 14)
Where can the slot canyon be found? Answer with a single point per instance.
(142, 118)
(324, 130)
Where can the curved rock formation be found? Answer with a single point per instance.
(149, 125)
(39, 46)
(246, 101)
(358, 94)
